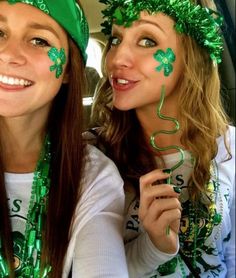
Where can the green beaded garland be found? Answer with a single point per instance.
(33, 232)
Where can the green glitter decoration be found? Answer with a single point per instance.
(59, 58)
(166, 59)
(201, 23)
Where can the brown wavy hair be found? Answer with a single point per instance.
(202, 119)
(65, 128)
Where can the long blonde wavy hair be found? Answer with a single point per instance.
(202, 119)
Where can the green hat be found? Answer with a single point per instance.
(69, 15)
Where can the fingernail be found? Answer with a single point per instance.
(166, 171)
(177, 189)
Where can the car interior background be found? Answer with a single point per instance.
(98, 40)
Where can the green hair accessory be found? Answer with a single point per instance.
(69, 15)
(200, 23)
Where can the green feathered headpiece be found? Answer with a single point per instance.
(200, 23)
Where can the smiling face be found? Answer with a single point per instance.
(141, 59)
(27, 83)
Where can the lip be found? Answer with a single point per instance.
(123, 84)
(13, 83)
(12, 87)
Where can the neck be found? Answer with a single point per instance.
(21, 141)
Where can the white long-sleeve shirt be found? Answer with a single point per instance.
(145, 260)
(96, 248)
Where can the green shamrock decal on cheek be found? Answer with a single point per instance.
(165, 59)
(59, 59)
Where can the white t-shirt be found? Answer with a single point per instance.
(218, 260)
(96, 245)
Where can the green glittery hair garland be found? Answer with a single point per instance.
(200, 23)
(69, 15)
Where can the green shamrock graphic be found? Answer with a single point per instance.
(166, 59)
(59, 58)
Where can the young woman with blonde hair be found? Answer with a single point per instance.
(161, 120)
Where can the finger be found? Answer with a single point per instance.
(151, 177)
(157, 228)
(159, 206)
(151, 193)
(170, 218)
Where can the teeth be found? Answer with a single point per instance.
(122, 81)
(14, 81)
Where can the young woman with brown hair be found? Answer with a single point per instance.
(58, 192)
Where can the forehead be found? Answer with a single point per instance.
(164, 20)
(20, 9)
(157, 20)
(21, 18)
(24, 13)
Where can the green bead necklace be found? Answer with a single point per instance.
(32, 247)
(214, 219)
(192, 233)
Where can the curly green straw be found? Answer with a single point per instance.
(156, 133)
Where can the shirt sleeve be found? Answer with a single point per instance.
(227, 170)
(99, 248)
(230, 251)
(96, 248)
(143, 257)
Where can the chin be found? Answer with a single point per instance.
(122, 106)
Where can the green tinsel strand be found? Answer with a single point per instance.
(200, 23)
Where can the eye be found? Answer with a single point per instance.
(2, 34)
(40, 42)
(114, 41)
(147, 42)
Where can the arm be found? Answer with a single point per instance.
(143, 257)
(99, 248)
(230, 251)
(227, 171)
(96, 248)
(159, 209)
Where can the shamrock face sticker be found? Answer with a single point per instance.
(59, 59)
(165, 59)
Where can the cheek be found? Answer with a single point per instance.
(42, 68)
(50, 67)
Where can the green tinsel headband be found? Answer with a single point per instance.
(191, 19)
(69, 15)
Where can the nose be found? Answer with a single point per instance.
(11, 54)
(120, 56)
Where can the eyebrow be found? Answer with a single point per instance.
(143, 21)
(38, 26)
(3, 18)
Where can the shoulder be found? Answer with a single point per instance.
(230, 141)
(226, 164)
(97, 159)
(93, 136)
(100, 173)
